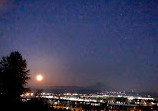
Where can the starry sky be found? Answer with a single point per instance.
(81, 42)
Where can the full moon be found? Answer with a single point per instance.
(39, 77)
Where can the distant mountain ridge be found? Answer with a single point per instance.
(100, 86)
(96, 87)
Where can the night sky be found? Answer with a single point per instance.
(81, 42)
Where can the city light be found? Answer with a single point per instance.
(27, 94)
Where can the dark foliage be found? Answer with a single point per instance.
(13, 76)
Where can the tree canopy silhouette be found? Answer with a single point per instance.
(13, 76)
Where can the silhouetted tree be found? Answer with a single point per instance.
(13, 76)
